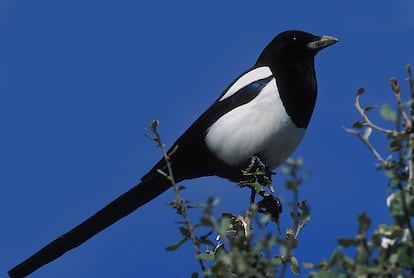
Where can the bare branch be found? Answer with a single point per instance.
(397, 92)
(178, 200)
(367, 121)
(366, 141)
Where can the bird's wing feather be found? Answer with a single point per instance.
(190, 146)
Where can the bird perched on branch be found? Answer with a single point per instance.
(262, 114)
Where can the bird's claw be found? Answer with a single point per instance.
(258, 175)
(256, 160)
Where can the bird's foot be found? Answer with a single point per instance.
(255, 160)
(257, 175)
(256, 164)
(261, 170)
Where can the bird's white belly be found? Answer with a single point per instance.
(260, 127)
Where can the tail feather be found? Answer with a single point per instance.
(125, 204)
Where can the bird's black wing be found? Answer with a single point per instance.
(190, 157)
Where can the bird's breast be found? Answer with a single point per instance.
(260, 127)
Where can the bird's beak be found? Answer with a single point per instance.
(323, 42)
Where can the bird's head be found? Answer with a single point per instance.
(294, 45)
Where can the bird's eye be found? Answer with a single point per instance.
(294, 38)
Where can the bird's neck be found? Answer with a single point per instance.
(297, 86)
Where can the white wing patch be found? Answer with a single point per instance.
(259, 127)
(246, 79)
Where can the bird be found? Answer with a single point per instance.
(263, 113)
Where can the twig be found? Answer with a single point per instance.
(299, 228)
(373, 150)
(410, 152)
(411, 138)
(408, 125)
(367, 121)
(178, 200)
(397, 92)
(366, 141)
(411, 86)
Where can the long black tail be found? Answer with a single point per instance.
(114, 211)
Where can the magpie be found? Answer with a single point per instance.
(263, 113)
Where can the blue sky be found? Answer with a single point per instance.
(79, 81)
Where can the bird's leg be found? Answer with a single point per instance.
(261, 176)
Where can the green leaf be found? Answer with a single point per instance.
(207, 235)
(364, 223)
(292, 185)
(360, 91)
(369, 108)
(175, 246)
(277, 261)
(284, 170)
(215, 202)
(304, 207)
(362, 255)
(294, 265)
(292, 242)
(283, 251)
(205, 256)
(207, 242)
(387, 113)
(204, 239)
(225, 225)
(308, 265)
(155, 124)
(299, 162)
(265, 219)
(185, 232)
(405, 258)
(347, 242)
(205, 220)
(358, 124)
(395, 145)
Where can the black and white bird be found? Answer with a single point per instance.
(263, 113)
